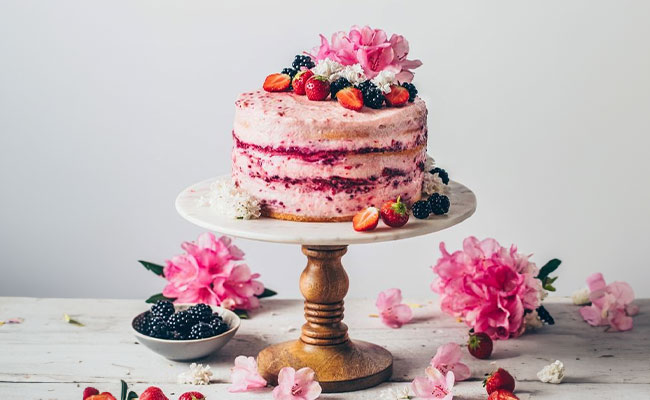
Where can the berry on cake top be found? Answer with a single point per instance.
(363, 67)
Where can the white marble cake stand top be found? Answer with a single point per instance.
(463, 205)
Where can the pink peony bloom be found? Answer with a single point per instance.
(610, 304)
(244, 375)
(372, 49)
(447, 358)
(210, 273)
(391, 311)
(296, 385)
(434, 386)
(489, 286)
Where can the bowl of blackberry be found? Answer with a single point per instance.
(184, 332)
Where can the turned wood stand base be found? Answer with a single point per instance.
(341, 365)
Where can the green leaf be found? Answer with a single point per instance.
(548, 284)
(71, 320)
(125, 387)
(267, 293)
(243, 314)
(155, 268)
(158, 297)
(132, 395)
(548, 269)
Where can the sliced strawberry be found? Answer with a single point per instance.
(499, 379)
(101, 396)
(277, 83)
(350, 97)
(299, 81)
(397, 96)
(317, 88)
(366, 219)
(89, 391)
(502, 394)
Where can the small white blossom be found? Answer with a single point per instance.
(553, 373)
(383, 80)
(396, 394)
(327, 68)
(197, 375)
(353, 73)
(230, 201)
(581, 297)
(432, 183)
(533, 321)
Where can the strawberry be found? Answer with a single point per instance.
(277, 83)
(299, 81)
(502, 394)
(479, 345)
(153, 393)
(398, 96)
(499, 379)
(366, 219)
(350, 97)
(90, 391)
(192, 396)
(317, 88)
(394, 213)
(102, 396)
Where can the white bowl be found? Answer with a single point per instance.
(185, 350)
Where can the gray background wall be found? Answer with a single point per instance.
(109, 109)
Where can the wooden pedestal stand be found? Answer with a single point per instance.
(340, 364)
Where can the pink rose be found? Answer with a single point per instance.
(372, 49)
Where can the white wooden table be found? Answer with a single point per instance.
(46, 358)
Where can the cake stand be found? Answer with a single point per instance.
(341, 364)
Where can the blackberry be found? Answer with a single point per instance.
(302, 61)
(201, 331)
(201, 312)
(340, 83)
(439, 204)
(290, 71)
(163, 309)
(159, 328)
(444, 176)
(373, 97)
(421, 209)
(142, 323)
(181, 321)
(180, 335)
(544, 315)
(412, 90)
(218, 324)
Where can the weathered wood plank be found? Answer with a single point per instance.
(46, 350)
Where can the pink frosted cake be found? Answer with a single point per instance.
(317, 161)
(338, 131)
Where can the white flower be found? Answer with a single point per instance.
(353, 73)
(230, 201)
(383, 80)
(327, 68)
(533, 321)
(432, 183)
(553, 373)
(581, 297)
(197, 375)
(395, 394)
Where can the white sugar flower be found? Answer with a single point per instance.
(432, 183)
(396, 394)
(383, 80)
(552, 373)
(197, 375)
(353, 73)
(581, 297)
(327, 68)
(230, 201)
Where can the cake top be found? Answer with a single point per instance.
(362, 69)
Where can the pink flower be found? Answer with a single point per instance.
(210, 273)
(610, 304)
(391, 311)
(447, 358)
(372, 49)
(244, 375)
(489, 286)
(434, 386)
(296, 385)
